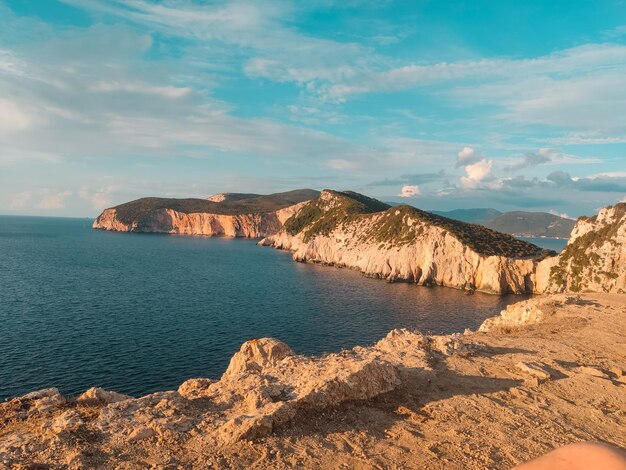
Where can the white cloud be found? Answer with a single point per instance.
(139, 87)
(609, 174)
(51, 199)
(410, 190)
(466, 156)
(559, 214)
(477, 174)
(99, 199)
(567, 63)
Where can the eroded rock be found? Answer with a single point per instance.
(257, 354)
(97, 395)
(516, 315)
(194, 388)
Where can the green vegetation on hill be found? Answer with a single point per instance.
(320, 217)
(474, 216)
(536, 224)
(519, 223)
(578, 259)
(134, 211)
(400, 225)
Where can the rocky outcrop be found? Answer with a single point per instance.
(403, 243)
(594, 259)
(390, 405)
(165, 220)
(265, 386)
(227, 214)
(528, 312)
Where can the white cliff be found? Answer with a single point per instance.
(594, 259)
(402, 243)
(165, 220)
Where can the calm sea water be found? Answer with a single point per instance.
(139, 313)
(556, 244)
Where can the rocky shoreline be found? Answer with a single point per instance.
(546, 372)
(252, 225)
(399, 244)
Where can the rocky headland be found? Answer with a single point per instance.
(402, 243)
(229, 214)
(546, 372)
(594, 259)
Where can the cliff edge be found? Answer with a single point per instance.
(404, 243)
(546, 373)
(233, 215)
(594, 259)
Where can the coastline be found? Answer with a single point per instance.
(492, 398)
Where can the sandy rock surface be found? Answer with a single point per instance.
(489, 399)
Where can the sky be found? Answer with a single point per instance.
(441, 104)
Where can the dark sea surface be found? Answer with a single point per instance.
(137, 313)
(556, 244)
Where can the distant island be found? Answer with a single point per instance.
(516, 223)
(226, 214)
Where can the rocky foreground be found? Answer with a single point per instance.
(546, 372)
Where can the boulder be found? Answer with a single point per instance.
(257, 354)
(194, 388)
(97, 395)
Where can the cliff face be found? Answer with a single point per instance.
(403, 243)
(165, 220)
(594, 259)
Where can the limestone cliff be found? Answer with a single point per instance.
(404, 243)
(594, 259)
(201, 223)
(250, 215)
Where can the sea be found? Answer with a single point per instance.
(139, 313)
(556, 244)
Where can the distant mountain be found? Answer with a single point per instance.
(532, 224)
(474, 216)
(518, 223)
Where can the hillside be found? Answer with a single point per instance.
(405, 243)
(237, 215)
(594, 259)
(133, 211)
(474, 216)
(532, 224)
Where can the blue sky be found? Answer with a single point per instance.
(440, 104)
